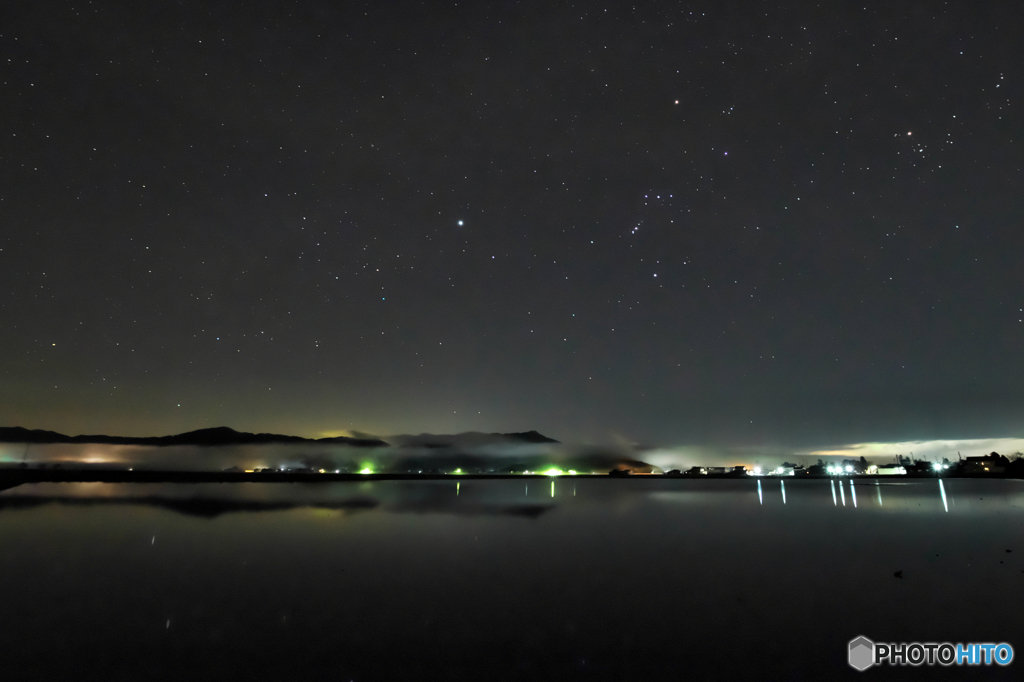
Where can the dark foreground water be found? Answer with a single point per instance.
(596, 579)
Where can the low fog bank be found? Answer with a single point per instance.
(767, 458)
(475, 453)
(486, 457)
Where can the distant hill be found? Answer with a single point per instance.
(221, 435)
(469, 439)
(529, 437)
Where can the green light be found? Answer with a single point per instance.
(458, 471)
(553, 472)
(367, 470)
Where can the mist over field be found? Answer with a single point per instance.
(472, 453)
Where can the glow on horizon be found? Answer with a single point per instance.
(769, 457)
(339, 433)
(923, 449)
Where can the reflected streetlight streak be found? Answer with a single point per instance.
(457, 484)
(842, 493)
(942, 489)
(760, 497)
(853, 494)
(552, 488)
(783, 491)
(833, 484)
(878, 488)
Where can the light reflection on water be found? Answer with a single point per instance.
(401, 496)
(682, 570)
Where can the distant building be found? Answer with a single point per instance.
(920, 468)
(891, 470)
(989, 464)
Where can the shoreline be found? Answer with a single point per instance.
(11, 478)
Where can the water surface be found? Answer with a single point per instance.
(504, 579)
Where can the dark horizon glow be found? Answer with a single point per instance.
(789, 227)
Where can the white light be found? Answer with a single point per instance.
(849, 468)
(757, 471)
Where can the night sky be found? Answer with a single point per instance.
(742, 223)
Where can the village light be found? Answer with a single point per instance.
(849, 468)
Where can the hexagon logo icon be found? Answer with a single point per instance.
(862, 653)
